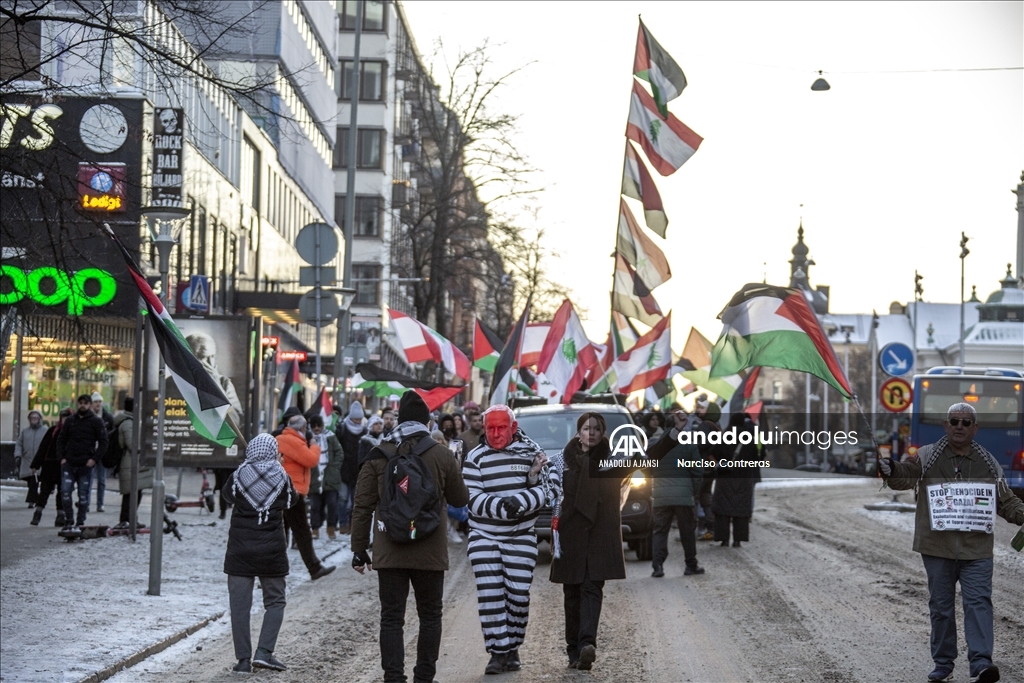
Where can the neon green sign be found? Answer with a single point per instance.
(51, 287)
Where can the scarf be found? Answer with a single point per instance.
(977, 450)
(261, 478)
(405, 431)
(355, 411)
(587, 490)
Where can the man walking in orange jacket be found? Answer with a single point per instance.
(297, 457)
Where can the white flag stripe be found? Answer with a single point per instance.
(758, 314)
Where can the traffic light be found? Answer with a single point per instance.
(918, 288)
(964, 251)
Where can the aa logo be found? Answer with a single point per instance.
(628, 441)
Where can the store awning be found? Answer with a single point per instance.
(273, 307)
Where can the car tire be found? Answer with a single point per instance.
(644, 550)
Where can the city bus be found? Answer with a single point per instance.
(995, 394)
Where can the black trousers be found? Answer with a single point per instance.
(33, 488)
(126, 501)
(222, 478)
(740, 528)
(428, 587)
(295, 521)
(582, 614)
(687, 518)
(46, 487)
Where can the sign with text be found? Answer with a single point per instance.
(101, 187)
(168, 135)
(962, 506)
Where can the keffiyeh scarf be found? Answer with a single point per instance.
(260, 479)
(977, 450)
(406, 430)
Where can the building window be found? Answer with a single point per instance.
(20, 50)
(374, 15)
(369, 152)
(371, 80)
(250, 176)
(369, 213)
(366, 279)
(777, 390)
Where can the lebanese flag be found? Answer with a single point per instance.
(656, 66)
(421, 343)
(567, 353)
(639, 251)
(506, 372)
(668, 143)
(533, 343)
(325, 409)
(648, 361)
(631, 297)
(487, 347)
(638, 184)
(775, 327)
(205, 402)
(387, 382)
(291, 386)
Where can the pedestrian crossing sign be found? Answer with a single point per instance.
(199, 293)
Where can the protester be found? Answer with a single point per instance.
(297, 457)
(705, 418)
(260, 491)
(374, 433)
(325, 480)
(733, 500)
(388, 416)
(471, 437)
(81, 443)
(509, 481)
(673, 496)
(951, 555)
(222, 478)
(124, 426)
(588, 549)
(460, 423)
(438, 436)
(99, 472)
(25, 448)
(446, 424)
(421, 563)
(652, 426)
(47, 464)
(349, 432)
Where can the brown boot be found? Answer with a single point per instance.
(345, 530)
(316, 533)
(332, 533)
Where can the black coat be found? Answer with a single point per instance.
(256, 549)
(82, 438)
(46, 460)
(734, 486)
(350, 445)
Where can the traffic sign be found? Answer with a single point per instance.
(328, 307)
(198, 298)
(896, 395)
(306, 243)
(896, 359)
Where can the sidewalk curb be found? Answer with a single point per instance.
(148, 652)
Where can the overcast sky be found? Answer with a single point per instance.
(889, 167)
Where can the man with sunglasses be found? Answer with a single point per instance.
(953, 555)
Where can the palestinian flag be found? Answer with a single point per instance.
(647, 259)
(567, 353)
(325, 409)
(487, 347)
(205, 402)
(662, 394)
(695, 365)
(648, 361)
(744, 392)
(421, 343)
(775, 327)
(638, 184)
(506, 372)
(631, 297)
(381, 382)
(668, 143)
(291, 386)
(654, 65)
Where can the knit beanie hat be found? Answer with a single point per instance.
(413, 409)
(356, 410)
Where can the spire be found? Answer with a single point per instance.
(799, 265)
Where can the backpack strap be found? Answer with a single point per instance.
(423, 445)
(385, 449)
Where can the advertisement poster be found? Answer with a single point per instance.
(962, 506)
(366, 332)
(222, 346)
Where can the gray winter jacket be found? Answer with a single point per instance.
(27, 444)
(124, 425)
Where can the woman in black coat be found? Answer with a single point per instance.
(47, 461)
(260, 491)
(733, 500)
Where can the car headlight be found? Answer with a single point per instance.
(638, 479)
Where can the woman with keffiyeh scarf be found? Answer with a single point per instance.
(260, 491)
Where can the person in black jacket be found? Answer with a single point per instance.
(260, 491)
(47, 463)
(349, 432)
(81, 443)
(733, 500)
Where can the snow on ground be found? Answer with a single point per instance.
(80, 607)
(813, 481)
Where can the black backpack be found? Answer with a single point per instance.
(410, 509)
(112, 458)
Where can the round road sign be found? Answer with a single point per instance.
(896, 395)
(306, 243)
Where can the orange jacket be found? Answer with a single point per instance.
(298, 458)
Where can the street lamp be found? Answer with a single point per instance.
(164, 226)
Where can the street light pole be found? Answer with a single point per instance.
(350, 187)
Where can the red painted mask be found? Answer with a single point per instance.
(500, 428)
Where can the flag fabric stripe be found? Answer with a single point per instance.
(567, 354)
(648, 361)
(420, 343)
(695, 364)
(655, 65)
(630, 297)
(647, 259)
(668, 143)
(486, 347)
(638, 184)
(533, 342)
(506, 372)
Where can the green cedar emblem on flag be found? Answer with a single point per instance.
(569, 350)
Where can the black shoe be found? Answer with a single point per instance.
(100, 508)
(990, 674)
(243, 667)
(36, 516)
(658, 572)
(690, 571)
(575, 664)
(496, 665)
(266, 660)
(223, 514)
(512, 662)
(587, 656)
(735, 544)
(725, 544)
(322, 572)
(60, 521)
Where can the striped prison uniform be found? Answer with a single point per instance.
(503, 551)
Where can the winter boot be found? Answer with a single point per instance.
(512, 661)
(496, 665)
(36, 516)
(332, 533)
(60, 519)
(587, 656)
(315, 533)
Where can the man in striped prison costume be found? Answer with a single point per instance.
(509, 481)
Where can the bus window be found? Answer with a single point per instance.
(997, 401)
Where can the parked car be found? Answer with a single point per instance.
(552, 426)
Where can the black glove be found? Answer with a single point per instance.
(360, 559)
(513, 507)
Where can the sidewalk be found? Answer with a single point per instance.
(70, 611)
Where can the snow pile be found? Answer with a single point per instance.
(780, 483)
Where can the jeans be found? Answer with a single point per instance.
(346, 496)
(318, 504)
(428, 587)
(686, 516)
(100, 474)
(240, 598)
(295, 521)
(71, 475)
(582, 614)
(975, 577)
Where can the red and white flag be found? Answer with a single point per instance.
(567, 354)
(668, 143)
(421, 343)
(533, 343)
(649, 359)
(638, 184)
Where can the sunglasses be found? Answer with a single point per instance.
(956, 421)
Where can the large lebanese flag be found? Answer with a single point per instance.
(649, 359)
(640, 251)
(567, 354)
(631, 297)
(775, 327)
(421, 343)
(668, 143)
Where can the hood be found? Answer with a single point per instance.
(121, 417)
